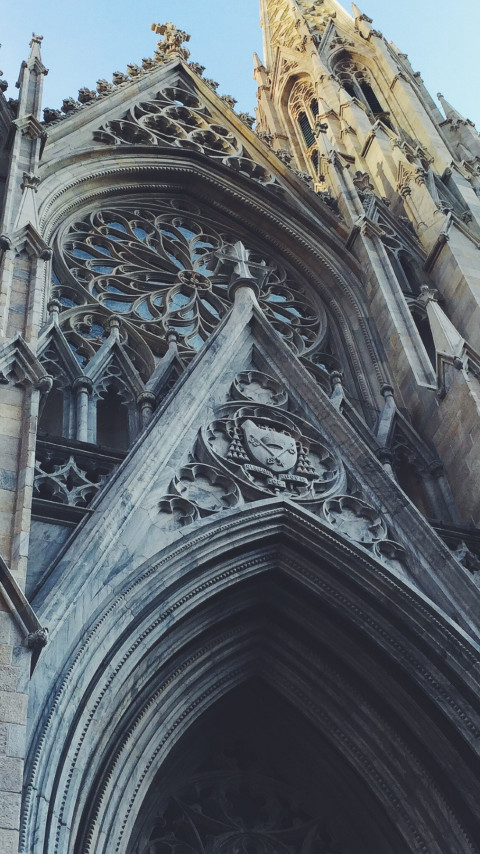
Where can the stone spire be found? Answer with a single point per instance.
(461, 130)
(362, 22)
(30, 80)
(447, 339)
(278, 21)
(450, 112)
(29, 137)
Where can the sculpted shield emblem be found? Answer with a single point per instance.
(277, 451)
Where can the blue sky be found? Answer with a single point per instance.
(88, 40)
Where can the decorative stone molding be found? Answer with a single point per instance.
(69, 105)
(86, 96)
(29, 240)
(212, 84)
(228, 100)
(50, 115)
(19, 364)
(247, 119)
(31, 127)
(196, 68)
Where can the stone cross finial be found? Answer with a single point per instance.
(172, 40)
(427, 294)
(244, 267)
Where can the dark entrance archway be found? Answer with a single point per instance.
(254, 777)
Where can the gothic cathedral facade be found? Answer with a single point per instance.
(240, 456)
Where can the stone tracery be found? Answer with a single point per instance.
(177, 117)
(237, 806)
(168, 267)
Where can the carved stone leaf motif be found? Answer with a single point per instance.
(206, 487)
(355, 519)
(175, 510)
(176, 117)
(392, 554)
(260, 388)
(167, 267)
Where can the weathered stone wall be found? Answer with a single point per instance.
(14, 679)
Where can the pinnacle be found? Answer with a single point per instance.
(450, 112)
(168, 49)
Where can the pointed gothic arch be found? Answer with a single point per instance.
(280, 227)
(356, 74)
(267, 594)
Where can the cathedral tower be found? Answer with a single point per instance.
(239, 384)
(346, 106)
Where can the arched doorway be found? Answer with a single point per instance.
(253, 777)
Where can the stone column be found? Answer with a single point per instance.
(386, 458)
(338, 395)
(83, 389)
(146, 402)
(437, 506)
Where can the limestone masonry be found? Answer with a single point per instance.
(240, 456)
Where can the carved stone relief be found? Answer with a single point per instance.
(271, 453)
(259, 388)
(355, 519)
(257, 449)
(66, 483)
(70, 475)
(207, 488)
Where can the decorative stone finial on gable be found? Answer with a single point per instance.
(171, 46)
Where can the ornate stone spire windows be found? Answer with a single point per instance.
(303, 108)
(357, 81)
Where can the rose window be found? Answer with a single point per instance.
(165, 268)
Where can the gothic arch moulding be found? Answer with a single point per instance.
(265, 595)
